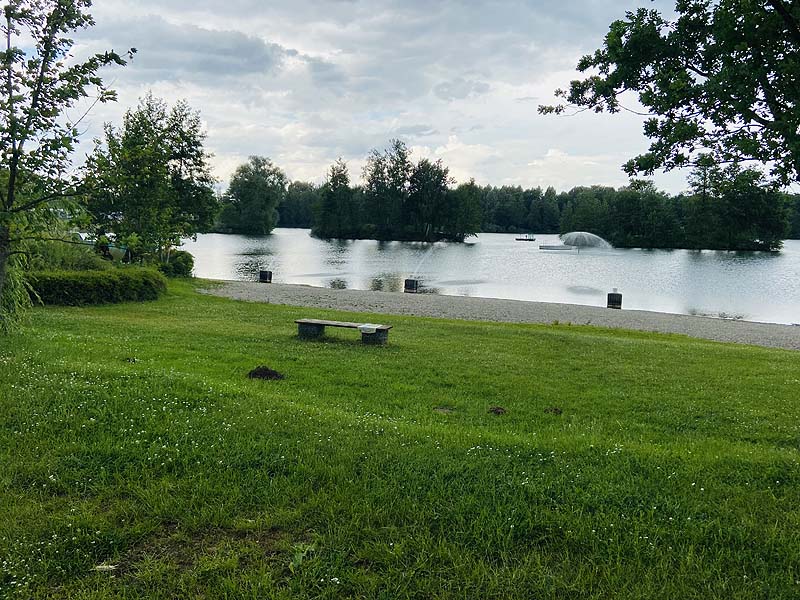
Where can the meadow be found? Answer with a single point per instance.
(140, 461)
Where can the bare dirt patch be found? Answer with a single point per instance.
(264, 373)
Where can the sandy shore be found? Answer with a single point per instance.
(511, 311)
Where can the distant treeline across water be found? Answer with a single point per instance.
(727, 208)
(637, 216)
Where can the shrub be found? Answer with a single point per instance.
(66, 256)
(77, 288)
(180, 264)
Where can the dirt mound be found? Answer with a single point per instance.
(264, 373)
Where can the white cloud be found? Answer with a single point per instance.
(305, 82)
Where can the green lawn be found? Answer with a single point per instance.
(132, 440)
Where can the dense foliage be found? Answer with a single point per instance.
(150, 182)
(78, 288)
(65, 255)
(181, 264)
(297, 208)
(722, 76)
(741, 213)
(41, 82)
(256, 189)
(400, 200)
(733, 210)
(794, 211)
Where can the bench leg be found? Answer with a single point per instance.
(379, 338)
(310, 331)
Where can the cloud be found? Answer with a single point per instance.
(460, 88)
(307, 81)
(419, 130)
(189, 52)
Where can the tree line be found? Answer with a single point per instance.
(726, 208)
(399, 200)
(149, 184)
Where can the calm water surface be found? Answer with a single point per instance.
(757, 286)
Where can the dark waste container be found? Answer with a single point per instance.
(411, 286)
(265, 276)
(614, 299)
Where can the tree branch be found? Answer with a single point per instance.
(42, 200)
(37, 91)
(791, 23)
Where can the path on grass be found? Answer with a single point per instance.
(511, 311)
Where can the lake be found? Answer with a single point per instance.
(757, 286)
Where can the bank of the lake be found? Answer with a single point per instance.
(756, 286)
(139, 461)
(511, 311)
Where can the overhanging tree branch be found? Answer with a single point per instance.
(791, 22)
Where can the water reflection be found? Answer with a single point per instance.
(755, 285)
(386, 282)
(337, 252)
(248, 268)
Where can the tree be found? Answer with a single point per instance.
(426, 207)
(465, 212)
(39, 85)
(151, 179)
(748, 214)
(386, 176)
(723, 77)
(297, 208)
(336, 217)
(255, 191)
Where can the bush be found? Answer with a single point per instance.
(65, 256)
(77, 288)
(180, 264)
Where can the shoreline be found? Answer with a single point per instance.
(470, 308)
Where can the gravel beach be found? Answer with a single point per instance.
(511, 311)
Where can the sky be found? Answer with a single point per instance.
(306, 82)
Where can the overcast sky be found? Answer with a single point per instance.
(306, 82)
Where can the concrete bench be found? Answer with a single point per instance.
(312, 329)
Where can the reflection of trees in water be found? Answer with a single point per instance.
(249, 267)
(337, 284)
(337, 252)
(386, 282)
(253, 258)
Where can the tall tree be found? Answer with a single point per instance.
(464, 219)
(151, 179)
(724, 77)
(426, 207)
(336, 215)
(297, 208)
(255, 191)
(386, 179)
(39, 85)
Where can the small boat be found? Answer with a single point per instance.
(528, 238)
(557, 247)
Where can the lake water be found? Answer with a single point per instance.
(757, 286)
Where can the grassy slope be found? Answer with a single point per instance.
(672, 471)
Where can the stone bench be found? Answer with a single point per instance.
(313, 329)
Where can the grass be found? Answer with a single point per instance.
(138, 460)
